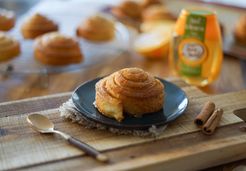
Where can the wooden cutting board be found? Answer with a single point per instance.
(181, 146)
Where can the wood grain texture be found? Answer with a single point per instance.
(35, 149)
(130, 154)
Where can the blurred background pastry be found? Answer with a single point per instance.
(157, 12)
(240, 30)
(9, 47)
(37, 25)
(97, 28)
(128, 9)
(7, 19)
(57, 49)
(148, 3)
(131, 90)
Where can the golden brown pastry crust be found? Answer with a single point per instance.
(131, 90)
(37, 25)
(9, 47)
(57, 49)
(156, 12)
(96, 28)
(128, 9)
(240, 30)
(7, 19)
(148, 3)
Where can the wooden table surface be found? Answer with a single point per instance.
(182, 146)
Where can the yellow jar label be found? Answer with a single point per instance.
(196, 49)
(192, 52)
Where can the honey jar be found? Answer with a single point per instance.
(196, 47)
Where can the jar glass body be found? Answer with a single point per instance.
(196, 47)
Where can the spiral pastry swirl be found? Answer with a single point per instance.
(37, 25)
(57, 49)
(131, 90)
(96, 28)
(9, 47)
(7, 19)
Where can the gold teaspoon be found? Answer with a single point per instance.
(42, 124)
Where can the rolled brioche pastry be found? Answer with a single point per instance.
(128, 9)
(131, 90)
(7, 19)
(57, 49)
(96, 28)
(9, 47)
(37, 25)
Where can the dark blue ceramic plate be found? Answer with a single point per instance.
(175, 104)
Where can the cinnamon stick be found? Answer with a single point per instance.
(205, 113)
(211, 124)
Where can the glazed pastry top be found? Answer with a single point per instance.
(97, 28)
(59, 43)
(99, 23)
(129, 9)
(133, 82)
(39, 22)
(6, 15)
(6, 41)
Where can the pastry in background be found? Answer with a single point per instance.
(57, 49)
(97, 28)
(127, 9)
(131, 90)
(37, 25)
(157, 12)
(9, 47)
(7, 19)
(240, 30)
(148, 3)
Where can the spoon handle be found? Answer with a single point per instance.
(88, 149)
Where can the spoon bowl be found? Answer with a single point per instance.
(41, 123)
